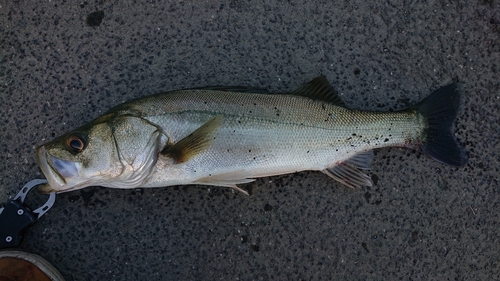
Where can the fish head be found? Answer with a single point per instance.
(109, 151)
(80, 158)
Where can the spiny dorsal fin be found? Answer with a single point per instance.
(319, 89)
(195, 143)
(349, 172)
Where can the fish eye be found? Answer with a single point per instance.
(76, 143)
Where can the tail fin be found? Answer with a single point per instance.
(440, 110)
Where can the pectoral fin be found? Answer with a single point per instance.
(195, 143)
(349, 172)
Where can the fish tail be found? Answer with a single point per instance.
(440, 110)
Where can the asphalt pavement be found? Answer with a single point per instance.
(63, 63)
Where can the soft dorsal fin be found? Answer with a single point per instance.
(241, 89)
(195, 143)
(320, 89)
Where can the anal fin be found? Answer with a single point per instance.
(350, 171)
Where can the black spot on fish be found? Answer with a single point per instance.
(374, 179)
(357, 71)
(95, 18)
(386, 140)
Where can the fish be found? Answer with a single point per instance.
(228, 136)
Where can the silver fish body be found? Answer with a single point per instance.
(218, 137)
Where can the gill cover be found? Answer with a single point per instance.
(138, 143)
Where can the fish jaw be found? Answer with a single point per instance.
(57, 171)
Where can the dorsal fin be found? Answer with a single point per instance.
(319, 89)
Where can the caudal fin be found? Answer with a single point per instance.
(440, 110)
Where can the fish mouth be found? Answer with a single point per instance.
(56, 171)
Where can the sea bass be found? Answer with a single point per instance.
(224, 136)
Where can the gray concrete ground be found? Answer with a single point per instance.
(65, 62)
